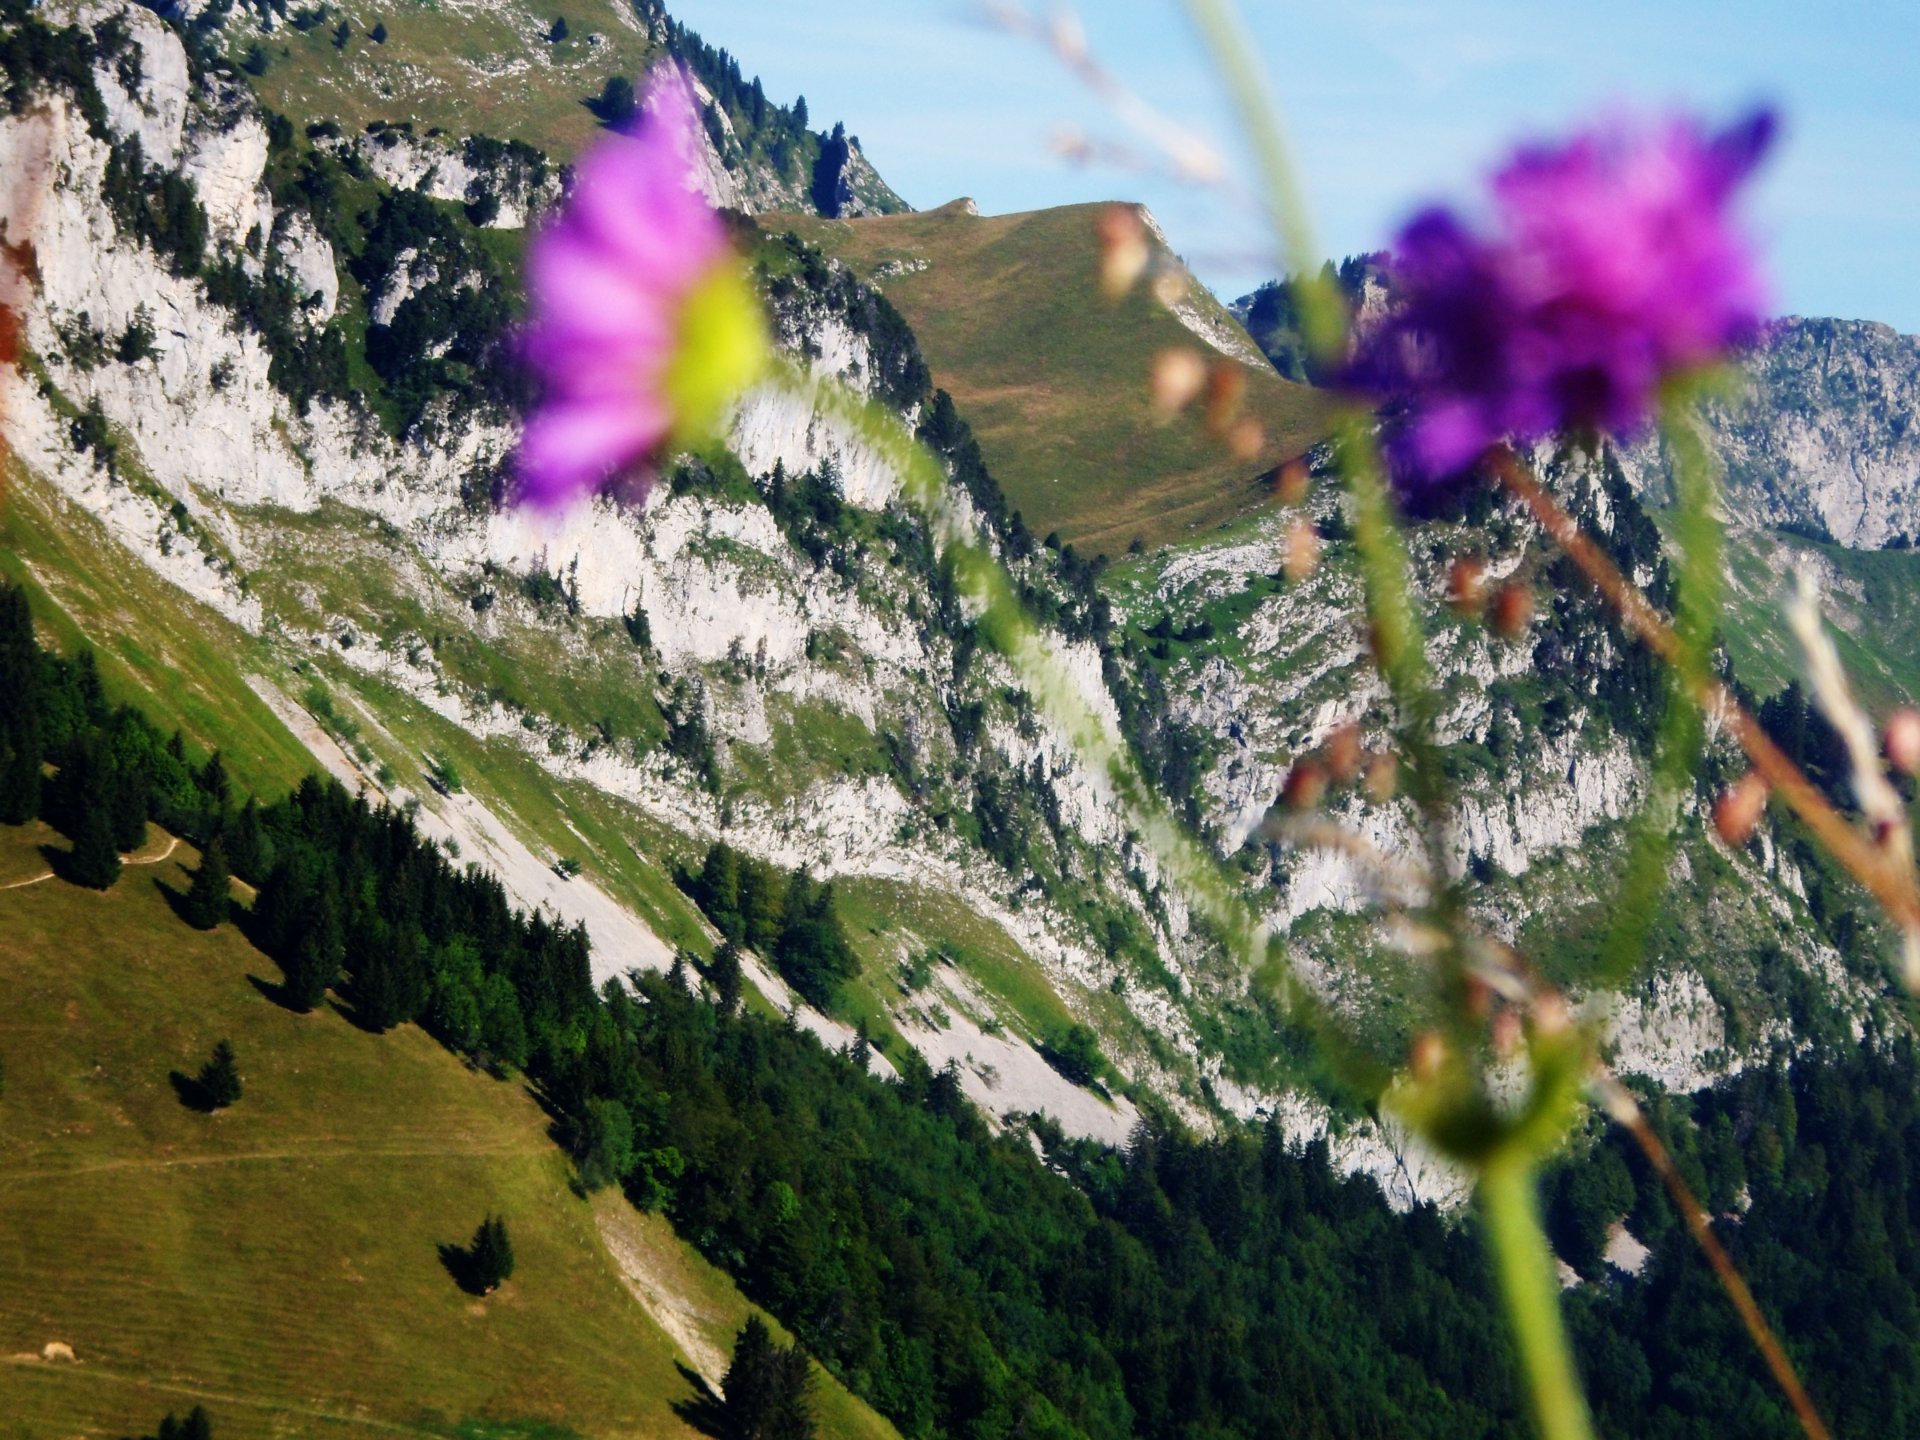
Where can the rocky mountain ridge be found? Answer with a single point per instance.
(766, 650)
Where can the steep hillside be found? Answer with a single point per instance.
(1009, 314)
(281, 1261)
(767, 651)
(544, 78)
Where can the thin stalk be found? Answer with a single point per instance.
(1697, 575)
(1524, 1262)
(1626, 1111)
(1323, 320)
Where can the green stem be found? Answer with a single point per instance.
(1323, 318)
(1532, 1292)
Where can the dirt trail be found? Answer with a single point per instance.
(15, 1173)
(82, 1371)
(173, 843)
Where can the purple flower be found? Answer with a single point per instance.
(642, 327)
(1612, 264)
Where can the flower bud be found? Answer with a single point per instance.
(1428, 1056)
(1903, 740)
(1123, 249)
(1292, 483)
(1306, 784)
(1344, 755)
(1179, 375)
(1738, 811)
(1170, 286)
(1383, 777)
(1302, 556)
(1247, 438)
(1506, 1033)
(1467, 586)
(1511, 610)
(1226, 388)
(1550, 1014)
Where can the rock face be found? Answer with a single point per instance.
(1823, 436)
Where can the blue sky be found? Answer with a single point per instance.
(1389, 102)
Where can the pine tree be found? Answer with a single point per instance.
(559, 30)
(747, 1390)
(20, 732)
(313, 964)
(127, 796)
(767, 1391)
(195, 1427)
(94, 860)
(216, 794)
(490, 1256)
(219, 1078)
(247, 846)
(727, 977)
(206, 902)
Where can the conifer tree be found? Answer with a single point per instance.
(727, 977)
(766, 1393)
(20, 732)
(206, 902)
(219, 1078)
(216, 794)
(195, 1427)
(95, 859)
(247, 846)
(313, 962)
(490, 1256)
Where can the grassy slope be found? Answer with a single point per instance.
(279, 1262)
(181, 662)
(1053, 378)
(1874, 601)
(466, 68)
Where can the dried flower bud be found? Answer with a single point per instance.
(1511, 610)
(1226, 388)
(1506, 1033)
(1179, 375)
(1292, 483)
(1344, 755)
(1737, 811)
(1171, 286)
(1123, 249)
(1383, 777)
(1302, 556)
(1428, 1057)
(1467, 586)
(1477, 996)
(1550, 1014)
(1247, 439)
(1903, 740)
(1306, 784)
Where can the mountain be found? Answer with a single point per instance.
(780, 670)
(259, 459)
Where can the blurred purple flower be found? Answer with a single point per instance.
(615, 286)
(1613, 263)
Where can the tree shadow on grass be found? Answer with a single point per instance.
(192, 1093)
(176, 898)
(457, 1261)
(704, 1410)
(275, 992)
